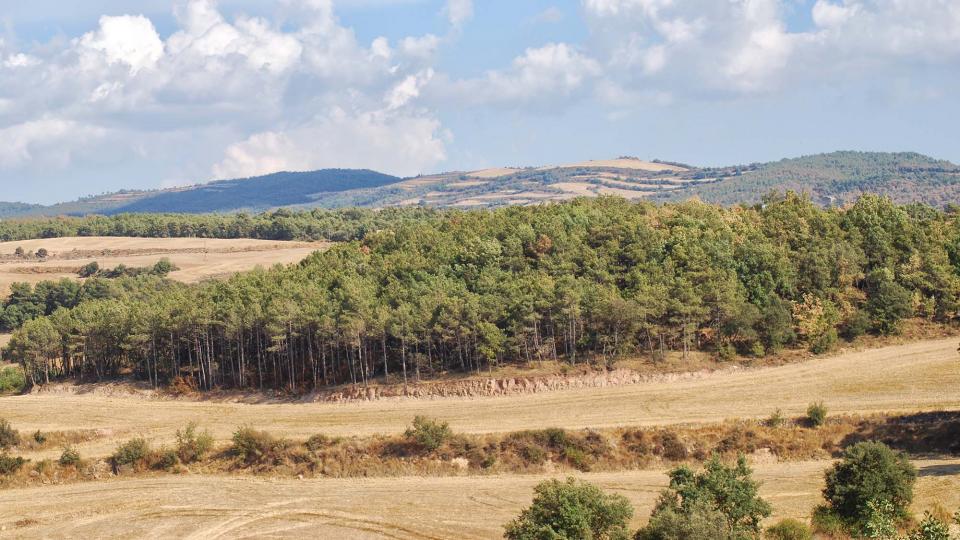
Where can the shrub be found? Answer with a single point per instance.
(12, 380)
(89, 270)
(164, 459)
(931, 528)
(816, 414)
(10, 464)
(888, 303)
(192, 446)
(8, 436)
(320, 441)
(571, 510)
(870, 472)
(776, 419)
(69, 456)
(789, 529)
(824, 342)
(726, 352)
(700, 520)
(826, 522)
(251, 445)
(39, 437)
(428, 434)
(42, 253)
(132, 452)
(730, 490)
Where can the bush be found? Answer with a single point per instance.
(12, 380)
(824, 342)
(164, 459)
(816, 414)
(571, 510)
(320, 441)
(730, 490)
(10, 464)
(69, 456)
(888, 303)
(789, 529)
(428, 434)
(869, 472)
(39, 437)
(776, 419)
(700, 520)
(192, 446)
(251, 445)
(89, 270)
(9, 437)
(826, 522)
(42, 253)
(132, 452)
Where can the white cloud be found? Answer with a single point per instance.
(537, 78)
(827, 14)
(53, 139)
(230, 95)
(129, 39)
(458, 11)
(395, 142)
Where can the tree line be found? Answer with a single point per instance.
(465, 291)
(317, 224)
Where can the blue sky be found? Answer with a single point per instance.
(102, 95)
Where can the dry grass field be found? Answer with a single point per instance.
(197, 258)
(914, 377)
(214, 507)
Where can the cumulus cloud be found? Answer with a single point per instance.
(267, 95)
(745, 45)
(537, 78)
(458, 11)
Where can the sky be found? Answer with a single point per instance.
(103, 95)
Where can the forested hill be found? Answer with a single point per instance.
(467, 291)
(282, 189)
(261, 193)
(837, 178)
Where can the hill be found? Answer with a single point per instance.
(834, 178)
(837, 178)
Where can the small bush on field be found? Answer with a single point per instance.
(789, 529)
(43, 466)
(70, 456)
(8, 436)
(320, 441)
(571, 510)
(252, 446)
(816, 414)
(39, 437)
(192, 446)
(826, 522)
(427, 433)
(776, 419)
(12, 379)
(164, 459)
(10, 464)
(133, 452)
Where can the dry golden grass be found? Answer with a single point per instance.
(635, 164)
(197, 258)
(409, 508)
(914, 377)
(492, 173)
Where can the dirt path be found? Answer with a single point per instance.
(906, 378)
(212, 507)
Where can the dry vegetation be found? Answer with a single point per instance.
(196, 258)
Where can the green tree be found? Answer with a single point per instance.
(869, 473)
(727, 489)
(571, 510)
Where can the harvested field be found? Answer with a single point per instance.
(624, 163)
(197, 258)
(408, 508)
(914, 377)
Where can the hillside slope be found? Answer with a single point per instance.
(838, 178)
(834, 178)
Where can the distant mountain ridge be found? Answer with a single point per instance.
(831, 178)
